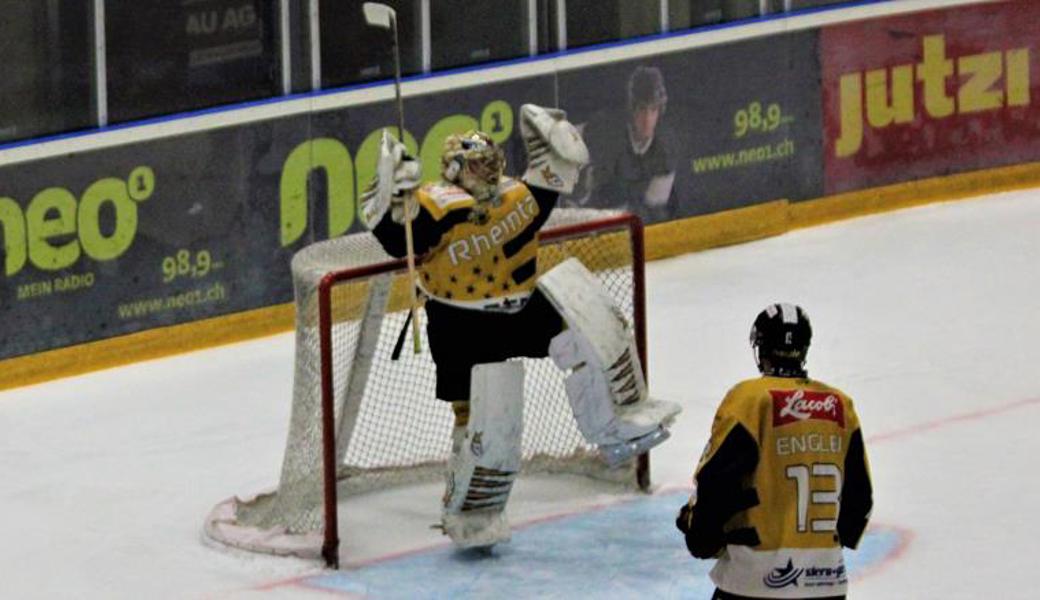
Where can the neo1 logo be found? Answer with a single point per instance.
(56, 230)
(346, 177)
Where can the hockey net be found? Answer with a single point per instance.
(363, 420)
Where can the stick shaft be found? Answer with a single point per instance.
(408, 237)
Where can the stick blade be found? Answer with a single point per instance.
(378, 14)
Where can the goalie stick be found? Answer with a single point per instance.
(382, 16)
(399, 344)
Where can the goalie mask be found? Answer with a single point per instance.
(474, 162)
(780, 339)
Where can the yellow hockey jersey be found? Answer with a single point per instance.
(476, 255)
(783, 483)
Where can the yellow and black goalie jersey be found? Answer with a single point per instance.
(783, 484)
(477, 255)
(479, 270)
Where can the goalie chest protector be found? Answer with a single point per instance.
(490, 249)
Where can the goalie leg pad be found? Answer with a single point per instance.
(605, 388)
(485, 457)
(589, 311)
(599, 420)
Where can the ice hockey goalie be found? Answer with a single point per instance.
(477, 231)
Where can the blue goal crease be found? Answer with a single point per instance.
(627, 550)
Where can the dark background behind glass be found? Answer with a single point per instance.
(598, 21)
(177, 55)
(46, 67)
(353, 52)
(463, 32)
(683, 14)
(798, 4)
(170, 56)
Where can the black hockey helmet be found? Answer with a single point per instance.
(780, 339)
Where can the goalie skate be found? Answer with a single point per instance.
(616, 454)
(476, 529)
(650, 413)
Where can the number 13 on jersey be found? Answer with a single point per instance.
(817, 485)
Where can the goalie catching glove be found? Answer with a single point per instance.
(397, 173)
(555, 150)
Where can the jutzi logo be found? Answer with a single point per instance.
(988, 81)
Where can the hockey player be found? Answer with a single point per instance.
(784, 482)
(478, 233)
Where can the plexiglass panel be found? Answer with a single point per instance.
(46, 52)
(178, 55)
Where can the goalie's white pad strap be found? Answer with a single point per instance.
(485, 465)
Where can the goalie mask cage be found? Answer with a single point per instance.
(362, 421)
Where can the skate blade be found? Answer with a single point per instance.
(650, 411)
(616, 454)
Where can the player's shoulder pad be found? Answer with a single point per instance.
(439, 198)
(742, 402)
(747, 388)
(508, 185)
(850, 410)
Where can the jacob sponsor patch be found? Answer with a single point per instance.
(795, 406)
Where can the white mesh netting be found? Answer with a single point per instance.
(390, 428)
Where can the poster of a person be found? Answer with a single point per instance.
(632, 167)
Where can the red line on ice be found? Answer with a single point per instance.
(950, 420)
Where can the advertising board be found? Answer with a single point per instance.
(114, 241)
(927, 94)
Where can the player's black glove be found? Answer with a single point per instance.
(702, 542)
(684, 522)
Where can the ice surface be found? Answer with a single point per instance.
(926, 317)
